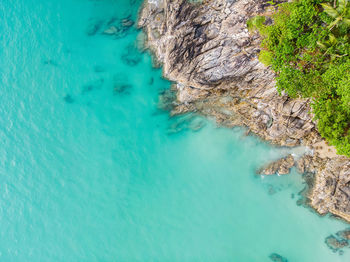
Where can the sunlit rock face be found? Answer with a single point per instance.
(206, 49)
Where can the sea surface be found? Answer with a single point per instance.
(92, 168)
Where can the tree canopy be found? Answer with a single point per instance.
(307, 45)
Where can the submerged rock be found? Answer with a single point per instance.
(281, 166)
(50, 62)
(131, 55)
(344, 234)
(167, 99)
(277, 258)
(151, 81)
(127, 22)
(94, 27)
(271, 190)
(121, 85)
(118, 27)
(196, 124)
(68, 99)
(122, 88)
(93, 86)
(111, 30)
(186, 122)
(335, 244)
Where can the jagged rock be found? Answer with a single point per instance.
(206, 49)
(330, 192)
(281, 166)
(308, 163)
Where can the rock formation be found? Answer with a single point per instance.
(280, 167)
(207, 51)
(335, 244)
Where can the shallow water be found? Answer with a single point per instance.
(92, 169)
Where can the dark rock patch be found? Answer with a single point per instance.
(68, 99)
(93, 86)
(127, 22)
(131, 55)
(277, 258)
(112, 21)
(151, 81)
(122, 89)
(93, 27)
(167, 99)
(344, 234)
(118, 28)
(121, 85)
(185, 123)
(335, 244)
(50, 62)
(271, 190)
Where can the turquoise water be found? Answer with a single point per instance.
(92, 170)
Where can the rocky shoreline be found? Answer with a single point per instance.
(205, 48)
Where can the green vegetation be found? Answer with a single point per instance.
(256, 22)
(307, 44)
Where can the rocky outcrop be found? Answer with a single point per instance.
(331, 190)
(207, 51)
(280, 167)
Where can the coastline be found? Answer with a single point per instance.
(206, 49)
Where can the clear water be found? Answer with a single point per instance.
(91, 174)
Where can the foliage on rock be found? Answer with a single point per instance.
(308, 46)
